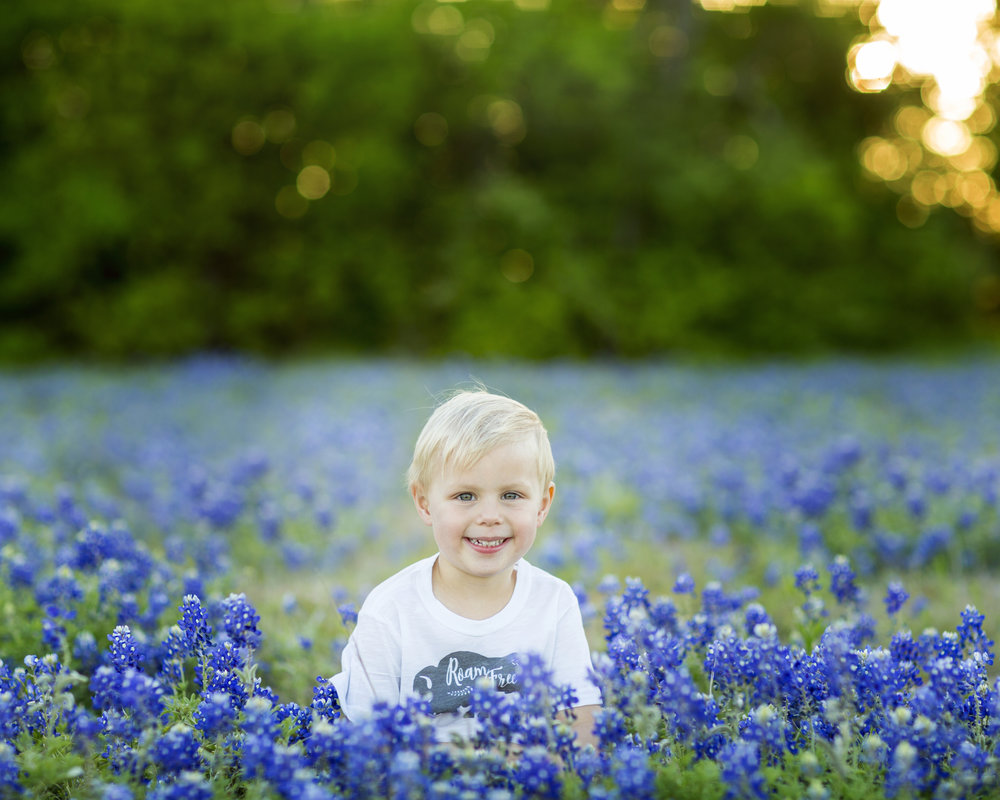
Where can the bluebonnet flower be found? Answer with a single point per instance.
(635, 594)
(215, 714)
(176, 751)
(407, 780)
(632, 774)
(537, 774)
(807, 579)
(325, 702)
(10, 784)
(970, 767)
(861, 510)
(348, 614)
(930, 543)
(906, 771)
(125, 652)
(895, 597)
(140, 695)
(10, 524)
(114, 791)
(62, 590)
(765, 726)
(187, 786)
(741, 771)
(85, 651)
(53, 634)
(755, 615)
(810, 538)
(916, 503)
(240, 620)
(194, 625)
(971, 636)
(842, 579)
(814, 496)
(684, 584)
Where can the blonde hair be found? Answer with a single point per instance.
(467, 426)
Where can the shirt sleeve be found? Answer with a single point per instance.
(572, 664)
(370, 667)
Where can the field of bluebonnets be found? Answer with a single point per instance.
(785, 570)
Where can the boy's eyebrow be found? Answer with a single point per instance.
(462, 483)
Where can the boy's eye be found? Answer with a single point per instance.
(511, 495)
(464, 496)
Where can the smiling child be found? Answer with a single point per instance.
(482, 479)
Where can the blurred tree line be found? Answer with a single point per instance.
(526, 178)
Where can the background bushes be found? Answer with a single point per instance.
(484, 179)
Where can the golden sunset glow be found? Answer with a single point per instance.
(936, 153)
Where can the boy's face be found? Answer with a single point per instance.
(485, 517)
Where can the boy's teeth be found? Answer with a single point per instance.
(486, 542)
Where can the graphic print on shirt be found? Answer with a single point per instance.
(450, 683)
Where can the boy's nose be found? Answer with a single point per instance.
(489, 516)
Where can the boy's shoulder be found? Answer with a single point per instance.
(544, 582)
(405, 582)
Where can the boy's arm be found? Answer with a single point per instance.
(583, 724)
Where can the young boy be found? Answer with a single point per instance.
(481, 478)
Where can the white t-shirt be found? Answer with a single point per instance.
(407, 642)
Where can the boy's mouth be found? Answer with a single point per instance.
(487, 544)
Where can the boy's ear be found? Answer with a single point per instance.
(547, 496)
(420, 501)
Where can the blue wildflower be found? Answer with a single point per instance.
(842, 581)
(807, 579)
(348, 614)
(187, 786)
(537, 774)
(240, 620)
(971, 636)
(325, 702)
(10, 784)
(215, 714)
(125, 652)
(684, 584)
(176, 751)
(741, 771)
(632, 773)
(895, 597)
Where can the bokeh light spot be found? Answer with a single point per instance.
(976, 188)
(313, 182)
(883, 158)
(248, 137)
(910, 212)
(875, 60)
(506, 120)
(517, 265)
(946, 137)
(925, 187)
(431, 129)
(910, 121)
(475, 42)
(290, 204)
(38, 52)
(445, 21)
(279, 125)
(319, 153)
(532, 5)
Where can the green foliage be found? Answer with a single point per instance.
(673, 181)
